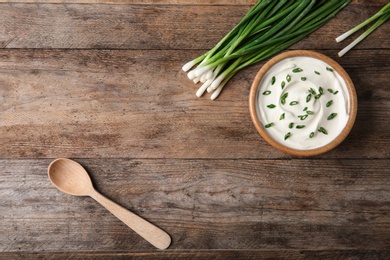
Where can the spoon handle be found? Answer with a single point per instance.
(145, 229)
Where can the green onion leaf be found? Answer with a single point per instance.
(266, 93)
(291, 125)
(269, 125)
(329, 103)
(267, 29)
(380, 17)
(300, 126)
(271, 106)
(311, 135)
(294, 103)
(287, 136)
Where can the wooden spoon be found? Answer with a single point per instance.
(71, 178)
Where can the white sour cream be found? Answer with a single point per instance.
(303, 103)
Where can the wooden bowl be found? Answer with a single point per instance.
(254, 103)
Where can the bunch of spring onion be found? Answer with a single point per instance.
(269, 27)
(380, 17)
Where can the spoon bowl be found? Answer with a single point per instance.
(71, 178)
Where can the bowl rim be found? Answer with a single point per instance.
(337, 67)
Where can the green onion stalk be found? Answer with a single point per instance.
(379, 18)
(269, 27)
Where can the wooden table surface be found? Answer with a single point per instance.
(101, 82)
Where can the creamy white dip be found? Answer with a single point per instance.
(303, 103)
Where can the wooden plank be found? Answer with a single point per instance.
(206, 254)
(168, 26)
(165, 2)
(202, 204)
(103, 81)
(139, 104)
(140, 2)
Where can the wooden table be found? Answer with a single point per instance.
(102, 83)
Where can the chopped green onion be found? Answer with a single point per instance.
(266, 93)
(271, 106)
(329, 69)
(283, 98)
(296, 70)
(287, 135)
(288, 78)
(309, 112)
(308, 98)
(283, 84)
(323, 130)
(273, 80)
(269, 125)
(312, 91)
(303, 117)
(316, 72)
(291, 125)
(294, 103)
(300, 126)
(329, 103)
(282, 116)
(303, 78)
(311, 135)
(331, 116)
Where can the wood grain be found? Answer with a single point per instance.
(208, 254)
(139, 104)
(174, 27)
(101, 81)
(143, 2)
(203, 204)
(167, 2)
